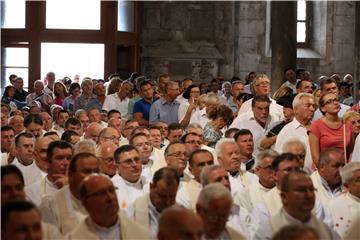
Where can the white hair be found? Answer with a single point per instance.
(221, 142)
(347, 172)
(211, 192)
(290, 142)
(298, 99)
(193, 125)
(85, 146)
(264, 154)
(212, 98)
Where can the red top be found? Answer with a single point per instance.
(331, 137)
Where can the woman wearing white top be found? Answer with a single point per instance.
(187, 108)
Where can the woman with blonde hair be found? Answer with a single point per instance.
(330, 131)
(354, 118)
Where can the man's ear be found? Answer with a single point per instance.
(283, 197)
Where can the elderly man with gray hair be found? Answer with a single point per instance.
(239, 218)
(304, 108)
(39, 95)
(253, 195)
(214, 206)
(345, 209)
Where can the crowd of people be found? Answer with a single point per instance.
(162, 159)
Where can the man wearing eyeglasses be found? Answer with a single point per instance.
(63, 208)
(105, 221)
(281, 166)
(298, 200)
(105, 154)
(304, 108)
(129, 181)
(176, 157)
(214, 207)
(109, 134)
(261, 87)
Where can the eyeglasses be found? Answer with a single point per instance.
(129, 162)
(177, 154)
(331, 101)
(107, 160)
(194, 142)
(103, 192)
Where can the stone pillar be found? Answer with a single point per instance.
(283, 40)
(357, 52)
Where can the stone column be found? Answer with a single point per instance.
(283, 40)
(357, 52)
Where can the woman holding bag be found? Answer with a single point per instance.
(330, 130)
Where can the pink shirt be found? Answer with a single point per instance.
(331, 137)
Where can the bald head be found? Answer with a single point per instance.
(93, 131)
(105, 153)
(179, 223)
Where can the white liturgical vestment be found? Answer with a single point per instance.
(31, 173)
(323, 193)
(128, 192)
(62, 209)
(36, 191)
(188, 194)
(345, 212)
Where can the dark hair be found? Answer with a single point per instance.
(66, 136)
(242, 132)
(235, 79)
(72, 121)
(15, 206)
(326, 81)
(299, 83)
(231, 131)
(192, 155)
(281, 158)
(145, 82)
(294, 231)
(288, 68)
(260, 98)
(77, 157)
(284, 186)
(222, 111)
(7, 128)
(248, 76)
(183, 137)
(167, 149)
(244, 96)
(138, 129)
(298, 71)
(7, 89)
(62, 111)
(23, 134)
(12, 169)
(33, 118)
(322, 101)
(174, 126)
(135, 136)
(12, 76)
(50, 133)
(187, 91)
(123, 149)
(169, 175)
(112, 111)
(57, 144)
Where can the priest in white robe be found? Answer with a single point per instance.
(298, 200)
(63, 208)
(345, 209)
(104, 220)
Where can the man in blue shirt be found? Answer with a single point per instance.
(166, 107)
(142, 107)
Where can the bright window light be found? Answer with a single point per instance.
(73, 14)
(12, 13)
(72, 59)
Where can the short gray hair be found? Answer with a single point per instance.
(298, 99)
(221, 142)
(347, 172)
(204, 175)
(290, 142)
(211, 192)
(325, 155)
(264, 154)
(193, 125)
(85, 146)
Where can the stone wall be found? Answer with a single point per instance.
(208, 39)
